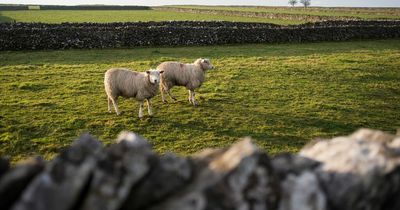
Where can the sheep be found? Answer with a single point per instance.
(178, 74)
(131, 84)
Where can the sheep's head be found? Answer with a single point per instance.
(153, 76)
(204, 63)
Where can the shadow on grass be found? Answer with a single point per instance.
(156, 54)
(277, 132)
(5, 19)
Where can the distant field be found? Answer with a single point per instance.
(282, 95)
(105, 16)
(364, 13)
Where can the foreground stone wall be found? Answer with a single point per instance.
(31, 36)
(360, 171)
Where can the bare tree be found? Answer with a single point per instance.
(292, 2)
(306, 3)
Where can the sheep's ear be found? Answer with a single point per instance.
(148, 72)
(161, 72)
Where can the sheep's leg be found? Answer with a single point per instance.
(149, 109)
(162, 91)
(141, 109)
(194, 102)
(109, 104)
(194, 98)
(115, 103)
(190, 96)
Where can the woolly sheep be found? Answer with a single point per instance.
(130, 84)
(178, 74)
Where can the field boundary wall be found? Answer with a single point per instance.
(38, 36)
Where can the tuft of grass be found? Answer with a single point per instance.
(30, 86)
(281, 95)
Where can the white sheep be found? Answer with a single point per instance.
(179, 74)
(130, 84)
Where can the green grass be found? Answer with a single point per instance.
(106, 16)
(364, 13)
(282, 95)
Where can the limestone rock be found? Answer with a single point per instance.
(167, 175)
(355, 170)
(121, 166)
(60, 185)
(286, 164)
(359, 171)
(15, 181)
(302, 192)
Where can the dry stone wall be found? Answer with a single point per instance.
(33, 36)
(359, 171)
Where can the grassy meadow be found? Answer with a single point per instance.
(107, 16)
(364, 13)
(282, 95)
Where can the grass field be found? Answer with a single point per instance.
(364, 13)
(105, 16)
(282, 95)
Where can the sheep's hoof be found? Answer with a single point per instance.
(165, 101)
